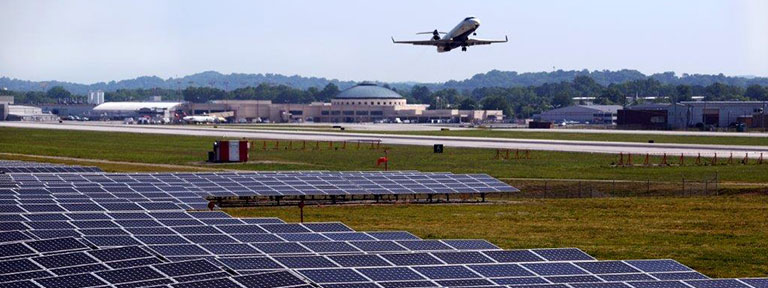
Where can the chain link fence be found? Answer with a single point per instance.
(570, 188)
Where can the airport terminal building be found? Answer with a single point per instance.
(365, 102)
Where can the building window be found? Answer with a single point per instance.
(324, 112)
(296, 112)
(361, 112)
(378, 103)
(335, 112)
(377, 113)
(349, 112)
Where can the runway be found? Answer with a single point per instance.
(448, 141)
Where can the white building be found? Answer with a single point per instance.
(592, 114)
(117, 110)
(96, 97)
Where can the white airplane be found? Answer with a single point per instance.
(201, 119)
(458, 37)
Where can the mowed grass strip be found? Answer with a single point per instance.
(722, 236)
(192, 151)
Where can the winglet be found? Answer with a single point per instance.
(506, 38)
(393, 39)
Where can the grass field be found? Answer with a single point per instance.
(190, 150)
(719, 236)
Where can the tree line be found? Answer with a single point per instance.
(520, 102)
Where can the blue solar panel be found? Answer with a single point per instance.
(305, 262)
(55, 245)
(717, 283)
(218, 283)
(412, 259)
(554, 268)
(573, 279)
(231, 249)
(470, 244)
(660, 284)
(270, 279)
(446, 272)
(250, 263)
(71, 281)
(80, 269)
(390, 274)
(330, 247)
(129, 275)
(16, 266)
(187, 268)
(658, 265)
(501, 270)
(462, 257)
(65, 260)
(280, 248)
(566, 254)
(679, 276)
(117, 254)
(377, 246)
(359, 260)
(179, 250)
(606, 267)
(342, 275)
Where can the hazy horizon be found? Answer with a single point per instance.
(101, 41)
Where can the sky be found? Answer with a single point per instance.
(94, 41)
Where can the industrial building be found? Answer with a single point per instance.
(11, 112)
(692, 114)
(585, 114)
(365, 102)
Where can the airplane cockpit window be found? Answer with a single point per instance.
(468, 18)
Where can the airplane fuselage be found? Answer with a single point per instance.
(459, 34)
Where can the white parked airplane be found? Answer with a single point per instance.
(202, 119)
(458, 37)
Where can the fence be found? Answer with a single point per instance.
(571, 188)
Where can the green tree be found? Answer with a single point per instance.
(684, 93)
(757, 92)
(58, 93)
(468, 104)
(421, 94)
(497, 103)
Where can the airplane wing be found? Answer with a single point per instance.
(472, 42)
(423, 42)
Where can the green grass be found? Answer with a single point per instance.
(191, 150)
(720, 236)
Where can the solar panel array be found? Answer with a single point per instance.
(13, 166)
(189, 190)
(118, 239)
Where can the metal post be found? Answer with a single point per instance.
(301, 210)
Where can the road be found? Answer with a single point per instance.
(448, 141)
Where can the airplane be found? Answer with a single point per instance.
(202, 119)
(458, 37)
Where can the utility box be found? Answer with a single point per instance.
(438, 148)
(230, 151)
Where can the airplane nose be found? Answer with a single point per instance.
(477, 23)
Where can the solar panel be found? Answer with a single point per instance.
(270, 279)
(340, 275)
(71, 281)
(390, 274)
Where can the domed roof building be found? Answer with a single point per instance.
(368, 90)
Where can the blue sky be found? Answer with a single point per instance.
(91, 41)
